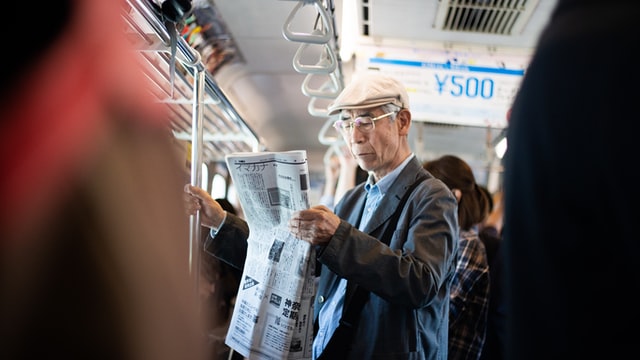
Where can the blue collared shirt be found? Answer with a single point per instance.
(330, 314)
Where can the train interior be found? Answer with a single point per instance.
(257, 75)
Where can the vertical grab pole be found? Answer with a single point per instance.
(196, 174)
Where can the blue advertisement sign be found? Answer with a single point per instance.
(460, 88)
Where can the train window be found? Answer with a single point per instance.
(205, 177)
(219, 187)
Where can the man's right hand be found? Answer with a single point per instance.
(211, 213)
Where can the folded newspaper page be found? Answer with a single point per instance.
(273, 314)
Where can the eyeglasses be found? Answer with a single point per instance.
(365, 124)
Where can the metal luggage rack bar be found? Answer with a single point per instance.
(224, 130)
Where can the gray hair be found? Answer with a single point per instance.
(387, 108)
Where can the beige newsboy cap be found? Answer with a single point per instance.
(369, 90)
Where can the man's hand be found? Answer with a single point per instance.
(211, 213)
(315, 225)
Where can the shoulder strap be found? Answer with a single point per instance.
(386, 236)
(356, 297)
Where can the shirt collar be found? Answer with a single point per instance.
(386, 181)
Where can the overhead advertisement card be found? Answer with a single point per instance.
(451, 87)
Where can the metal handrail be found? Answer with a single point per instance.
(190, 56)
(203, 84)
(193, 65)
(196, 175)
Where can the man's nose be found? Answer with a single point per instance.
(356, 136)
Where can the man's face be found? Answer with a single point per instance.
(378, 148)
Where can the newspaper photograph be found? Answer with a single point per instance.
(273, 314)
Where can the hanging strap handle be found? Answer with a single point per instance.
(174, 13)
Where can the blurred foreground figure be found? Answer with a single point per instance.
(571, 189)
(91, 202)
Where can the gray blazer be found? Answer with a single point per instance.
(407, 314)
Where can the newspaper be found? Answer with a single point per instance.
(273, 314)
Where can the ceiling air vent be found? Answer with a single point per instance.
(497, 17)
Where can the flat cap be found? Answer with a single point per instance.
(369, 90)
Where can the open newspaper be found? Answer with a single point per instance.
(273, 314)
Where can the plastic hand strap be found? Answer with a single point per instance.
(327, 63)
(315, 37)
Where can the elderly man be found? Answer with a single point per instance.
(391, 243)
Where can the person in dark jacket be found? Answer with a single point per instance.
(571, 189)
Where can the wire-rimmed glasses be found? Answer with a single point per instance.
(365, 124)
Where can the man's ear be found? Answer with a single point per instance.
(403, 118)
(457, 193)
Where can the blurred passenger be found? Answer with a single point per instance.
(227, 205)
(89, 262)
(407, 277)
(341, 174)
(487, 193)
(491, 235)
(469, 296)
(490, 230)
(571, 191)
(219, 283)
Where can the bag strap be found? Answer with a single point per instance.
(356, 297)
(386, 236)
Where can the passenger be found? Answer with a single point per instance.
(570, 189)
(490, 229)
(491, 235)
(218, 287)
(89, 262)
(495, 342)
(489, 197)
(409, 275)
(469, 304)
(341, 174)
(331, 176)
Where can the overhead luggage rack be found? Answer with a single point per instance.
(223, 129)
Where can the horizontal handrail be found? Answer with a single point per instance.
(191, 57)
